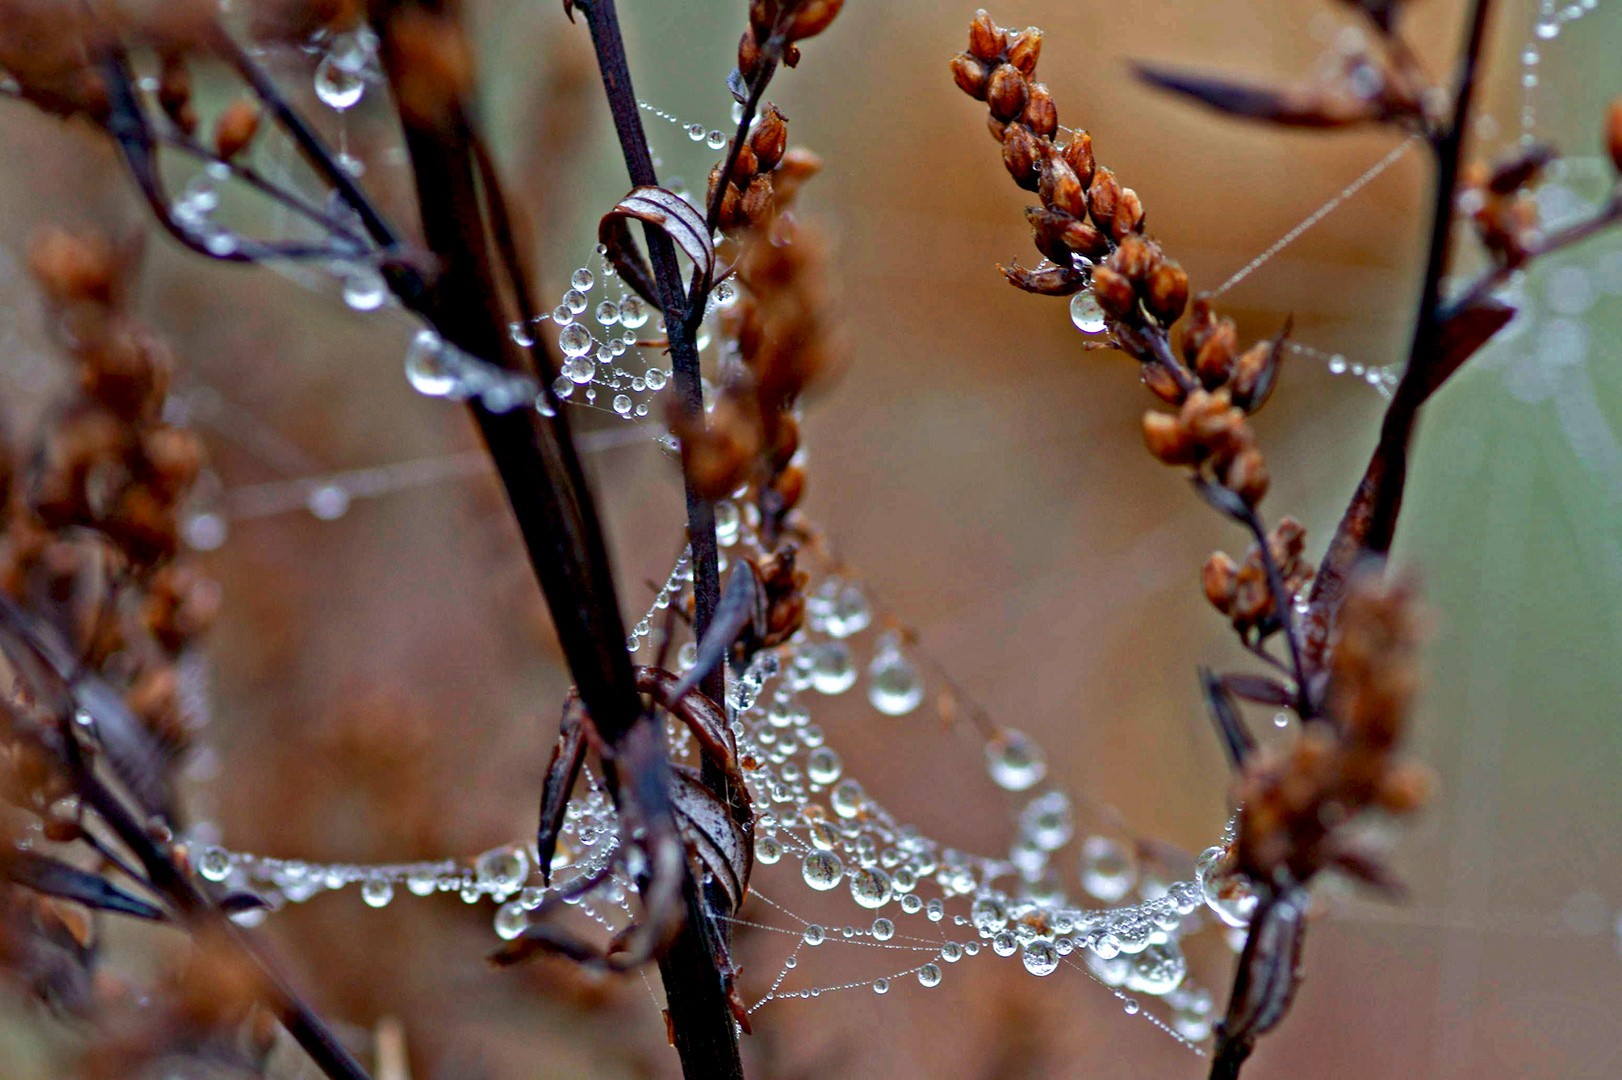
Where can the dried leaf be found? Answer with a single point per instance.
(1049, 281)
(1462, 336)
(659, 209)
(1257, 688)
(1291, 107)
(58, 879)
(742, 603)
(567, 757)
(712, 834)
(1230, 724)
(1268, 974)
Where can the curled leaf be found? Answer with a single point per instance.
(659, 209)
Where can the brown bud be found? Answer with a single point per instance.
(1060, 189)
(748, 53)
(1208, 417)
(1613, 133)
(174, 456)
(1104, 195)
(1022, 156)
(756, 204)
(1005, 92)
(235, 128)
(1252, 602)
(971, 75)
(1040, 115)
(987, 40)
(745, 166)
(791, 55)
(1247, 476)
(1166, 292)
(1405, 788)
(1048, 231)
(811, 18)
(790, 486)
(1078, 154)
(785, 440)
(1132, 259)
(1166, 440)
(1115, 294)
(769, 138)
(1215, 357)
(797, 166)
(1081, 237)
(1128, 215)
(1219, 578)
(1201, 322)
(997, 128)
(730, 214)
(71, 267)
(174, 93)
(1162, 383)
(1024, 49)
(1254, 375)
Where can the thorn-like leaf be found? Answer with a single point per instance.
(1258, 688)
(53, 878)
(1291, 107)
(1230, 724)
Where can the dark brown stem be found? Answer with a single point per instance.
(769, 53)
(1284, 612)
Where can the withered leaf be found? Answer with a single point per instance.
(1289, 106)
(711, 833)
(1269, 972)
(1257, 688)
(567, 757)
(1230, 725)
(1049, 281)
(1462, 336)
(658, 209)
(53, 878)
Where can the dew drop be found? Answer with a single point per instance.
(633, 312)
(1157, 970)
(1107, 870)
(951, 952)
(582, 280)
(377, 892)
(1040, 958)
(327, 502)
(426, 367)
(1130, 1007)
(502, 870)
(695, 132)
(364, 289)
(1046, 821)
(823, 766)
(337, 87)
(870, 887)
(656, 378)
(881, 986)
(833, 669)
(894, 685)
(822, 870)
(768, 849)
(847, 798)
(883, 929)
(814, 935)
(214, 863)
(511, 920)
(1014, 760)
(1086, 313)
(929, 975)
(622, 404)
(608, 313)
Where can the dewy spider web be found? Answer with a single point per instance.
(923, 904)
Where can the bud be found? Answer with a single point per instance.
(1613, 133)
(1405, 788)
(1219, 578)
(1254, 375)
(1166, 292)
(997, 128)
(1104, 196)
(1082, 238)
(1048, 230)
(1166, 439)
(1251, 600)
(745, 166)
(1247, 476)
(235, 128)
(1161, 383)
(1128, 215)
(768, 139)
(789, 486)
(971, 75)
(1132, 259)
(730, 215)
(1022, 154)
(1078, 154)
(785, 440)
(1040, 115)
(748, 54)
(1215, 357)
(1024, 48)
(811, 18)
(1201, 322)
(756, 203)
(1115, 294)
(1060, 189)
(1005, 92)
(987, 40)
(1208, 417)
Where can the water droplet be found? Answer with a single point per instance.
(337, 87)
(582, 279)
(1226, 891)
(823, 766)
(562, 315)
(364, 289)
(715, 140)
(608, 313)
(833, 669)
(427, 367)
(205, 532)
(988, 915)
(1157, 970)
(377, 892)
(1548, 29)
(1130, 1007)
(633, 312)
(814, 935)
(929, 975)
(822, 870)
(894, 685)
(1046, 821)
(511, 920)
(849, 612)
(695, 132)
(574, 340)
(622, 404)
(847, 798)
(935, 911)
(881, 986)
(1086, 313)
(656, 378)
(214, 863)
(1040, 958)
(502, 870)
(768, 849)
(1014, 760)
(421, 884)
(870, 887)
(327, 502)
(1107, 870)
(575, 301)
(883, 929)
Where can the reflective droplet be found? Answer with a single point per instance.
(870, 887)
(574, 340)
(377, 892)
(426, 365)
(511, 920)
(715, 140)
(364, 289)
(894, 686)
(695, 132)
(988, 915)
(883, 929)
(849, 613)
(833, 669)
(929, 975)
(814, 935)
(622, 404)
(823, 766)
(768, 849)
(1107, 870)
(608, 313)
(881, 986)
(327, 502)
(822, 870)
(633, 312)
(1226, 892)
(502, 870)
(1086, 313)
(1130, 1007)
(1040, 958)
(847, 798)
(214, 863)
(1157, 970)
(1014, 760)
(337, 87)
(656, 378)
(582, 279)
(1046, 821)
(421, 884)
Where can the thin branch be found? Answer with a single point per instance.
(1284, 612)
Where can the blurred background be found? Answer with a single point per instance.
(384, 685)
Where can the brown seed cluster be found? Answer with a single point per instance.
(1240, 590)
(1498, 200)
(777, 25)
(1298, 798)
(765, 176)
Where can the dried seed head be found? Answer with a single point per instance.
(1005, 92)
(1078, 154)
(1081, 237)
(1040, 115)
(1201, 322)
(789, 487)
(748, 53)
(1103, 196)
(1167, 441)
(769, 138)
(1162, 383)
(1166, 292)
(811, 18)
(1132, 259)
(746, 165)
(1024, 49)
(1048, 230)
(1613, 133)
(987, 40)
(756, 204)
(1247, 476)
(1215, 357)
(971, 75)
(731, 214)
(1219, 577)
(235, 128)
(73, 268)
(1254, 375)
(1405, 788)
(1128, 217)
(1022, 156)
(1060, 188)
(1115, 294)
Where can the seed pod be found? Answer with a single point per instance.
(811, 18)
(1005, 92)
(1128, 217)
(1161, 383)
(1201, 322)
(71, 267)
(1082, 238)
(1251, 600)
(997, 128)
(987, 40)
(1103, 196)
(235, 128)
(1215, 357)
(1040, 115)
(756, 203)
(746, 166)
(1024, 49)
(1205, 416)
(748, 54)
(1247, 476)
(785, 440)
(1404, 789)
(1254, 375)
(1060, 189)
(730, 215)
(1078, 154)
(1166, 292)
(1166, 439)
(1048, 232)
(1022, 156)
(1115, 294)
(791, 55)
(1219, 577)
(1132, 259)
(768, 139)
(970, 75)
(789, 486)
(1613, 133)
